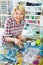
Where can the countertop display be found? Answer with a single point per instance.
(19, 56)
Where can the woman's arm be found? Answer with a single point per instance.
(9, 39)
(17, 41)
(21, 37)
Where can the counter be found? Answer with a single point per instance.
(19, 56)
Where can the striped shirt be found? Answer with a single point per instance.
(11, 29)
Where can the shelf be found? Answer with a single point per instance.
(32, 15)
(32, 19)
(35, 24)
(31, 10)
(32, 37)
(34, 6)
(5, 15)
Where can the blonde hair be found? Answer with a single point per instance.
(20, 7)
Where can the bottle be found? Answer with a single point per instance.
(41, 61)
(19, 61)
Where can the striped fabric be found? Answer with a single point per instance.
(11, 29)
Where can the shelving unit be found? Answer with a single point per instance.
(6, 7)
(32, 18)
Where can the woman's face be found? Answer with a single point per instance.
(18, 15)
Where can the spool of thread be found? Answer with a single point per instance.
(32, 17)
(36, 62)
(38, 42)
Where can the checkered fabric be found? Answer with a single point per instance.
(11, 29)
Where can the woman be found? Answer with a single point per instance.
(14, 26)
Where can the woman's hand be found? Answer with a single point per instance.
(18, 42)
(21, 37)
